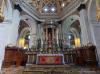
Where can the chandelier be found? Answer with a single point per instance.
(1, 11)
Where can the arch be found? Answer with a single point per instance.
(24, 32)
(69, 21)
(31, 27)
(72, 18)
(75, 33)
(25, 19)
(68, 26)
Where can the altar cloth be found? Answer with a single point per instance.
(47, 59)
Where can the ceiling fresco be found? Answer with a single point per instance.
(49, 6)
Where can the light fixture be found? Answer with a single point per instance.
(63, 4)
(53, 9)
(51, 22)
(69, 37)
(45, 8)
(24, 47)
(29, 37)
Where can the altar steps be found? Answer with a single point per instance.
(58, 69)
(50, 69)
(69, 70)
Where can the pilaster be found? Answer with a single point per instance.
(85, 31)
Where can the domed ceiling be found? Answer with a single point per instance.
(49, 9)
(49, 6)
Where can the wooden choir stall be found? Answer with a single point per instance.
(14, 56)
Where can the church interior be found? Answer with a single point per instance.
(49, 36)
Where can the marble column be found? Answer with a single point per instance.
(53, 34)
(14, 27)
(46, 34)
(8, 34)
(84, 24)
(57, 35)
(4, 38)
(33, 35)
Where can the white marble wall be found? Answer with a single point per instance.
(8, 29)
(33, 28)
(95, 27)
(84, 27)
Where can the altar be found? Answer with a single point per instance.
(50, 59)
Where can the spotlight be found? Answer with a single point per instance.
(63, 4)
(45, 9)
(51, 22)
(53, 9)
(69, 36)
(29, 37)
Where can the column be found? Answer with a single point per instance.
(60, 35)
(57, 35)
(53, 34)
(84, 24)
(39, 36)
(8, 30)
(33, 35)
(42, 36)
(46, 33)
(14, 27)
(95, 28)
(4, 36)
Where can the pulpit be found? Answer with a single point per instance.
(50, 59)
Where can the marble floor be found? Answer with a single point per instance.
(12, 70)
(77, 70)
